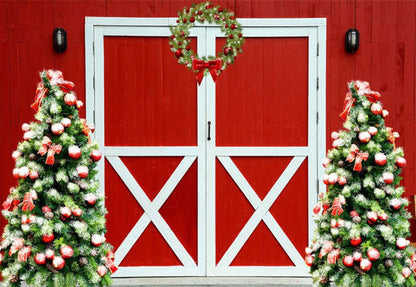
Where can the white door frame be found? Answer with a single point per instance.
(206, 152)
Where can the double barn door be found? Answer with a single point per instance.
(209, 180)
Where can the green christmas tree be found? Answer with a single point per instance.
(362, 223)
(56, 219)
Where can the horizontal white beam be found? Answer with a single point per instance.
(262, 151)
(158, 271)
(151, 151)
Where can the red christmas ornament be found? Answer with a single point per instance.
(25, 127)
(406, 272)
(365, 264)
(90, 198)
(58, 262)
(46, 209)
(383, 216)
(74, 151)
(355, 241)
(373, 254)
(80, 104)
(326, 162)
(65, 212)
(23, 172)
(401, 162)
(66, 251)
(348, 261)
(16, 154)
(101, 270)
(372, 216)
(342, 180)
(77, 212)
(28, 135)
(34, 174)
(308, 250)
(24, 219)
(97, 240)
(325, 179)
(333, 178)
(337, 143)
(40, 258)
(334, 223)
(16, 172)
(317, 208)
(57, 129)
(402, 243)
(376, 109)
(48, 238)
(380, 159)
(96, 155)
(364, 137)
(70, 99)
(82, 171)
(334, 135)
(308, 260)
(50, 254)
(357, 256)
(372, 131)
(66, 122)
(388, 177)
(395, 203)
(354, 213)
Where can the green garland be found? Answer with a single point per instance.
(206, 12)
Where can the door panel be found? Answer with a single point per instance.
(262, 100)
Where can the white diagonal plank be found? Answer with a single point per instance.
(261, 210)
(151, 209)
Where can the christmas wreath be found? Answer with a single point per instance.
(180, 41)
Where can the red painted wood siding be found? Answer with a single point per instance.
(386, 57)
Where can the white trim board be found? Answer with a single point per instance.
(206, 152)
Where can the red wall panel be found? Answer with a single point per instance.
(386, 56)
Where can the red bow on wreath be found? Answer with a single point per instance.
(358, 156)
(50, 148)
(200, 66)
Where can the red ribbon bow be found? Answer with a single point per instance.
(57, 78)
(392, 136)
(40, 94)
(337, 207)
(363, 88)
(200, 66)
(28, 202)
(18, 243)
(357, 156)
(50, 148)
(109, 260)
(24, 253)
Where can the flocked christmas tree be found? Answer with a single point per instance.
(362, 223)
(56, 219)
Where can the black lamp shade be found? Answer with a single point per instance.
(352, 40)
(59, 40)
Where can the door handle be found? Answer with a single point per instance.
(209, 131)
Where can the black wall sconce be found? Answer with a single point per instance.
(352, 40)
(59, 40)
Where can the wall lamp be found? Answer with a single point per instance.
(59, 40)
(352, 40)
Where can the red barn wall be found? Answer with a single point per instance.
(386, 57)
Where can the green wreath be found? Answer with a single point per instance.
(180, 41)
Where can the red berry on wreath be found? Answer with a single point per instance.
(192, 19)
(183, 20)
(240, 35)
(172, 37)
(178, 53)
(226, 26)
(232, 27)
(231, 36)
(48, 238)
(40, 258)
(199, 12)
(188, 48)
